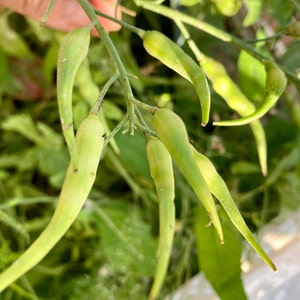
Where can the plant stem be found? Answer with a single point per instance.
(143, 105)
(115, 131)
(47, 13)
(132, 28)
(142, 124)
(96, 108)
(124, 81)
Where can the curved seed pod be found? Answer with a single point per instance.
(275, 86)
(226, 87)
(161, 169)
(75, 190)
(72, 52)
(219, 189)
(171, 55)
(236, 100)
(172, 132)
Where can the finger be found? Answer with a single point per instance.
(65, 15)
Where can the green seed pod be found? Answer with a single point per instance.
(171, 55)
(226, 87)
(236, 100)
(75, 190)
(219, 189)
(72, 52)
(161, 169)
(275, 86)
(172, 132)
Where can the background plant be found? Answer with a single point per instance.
(109, 252)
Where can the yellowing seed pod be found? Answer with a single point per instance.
(235, 99)
(275, 86)
(75, 190)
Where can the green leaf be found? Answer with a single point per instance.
(24, 160)
(133, 153)
(220, 263)
(126, 238)
(39, 133)
(53, 162)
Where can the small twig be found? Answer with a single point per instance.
(47, 13)
(277, 35)
(132, 28)
(143, 105)
(99, 102)
(115, 131)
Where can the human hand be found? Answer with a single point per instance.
(65, 15)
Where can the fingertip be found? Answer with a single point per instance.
(110, 8)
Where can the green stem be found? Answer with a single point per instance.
(124, 81)
(146, 129)
(277, 35)
(142, 124)
(132, 28)
(143, 105)
(96, 108)
(47, 13)
(115, 131)
(198, 54)
(177, 16)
